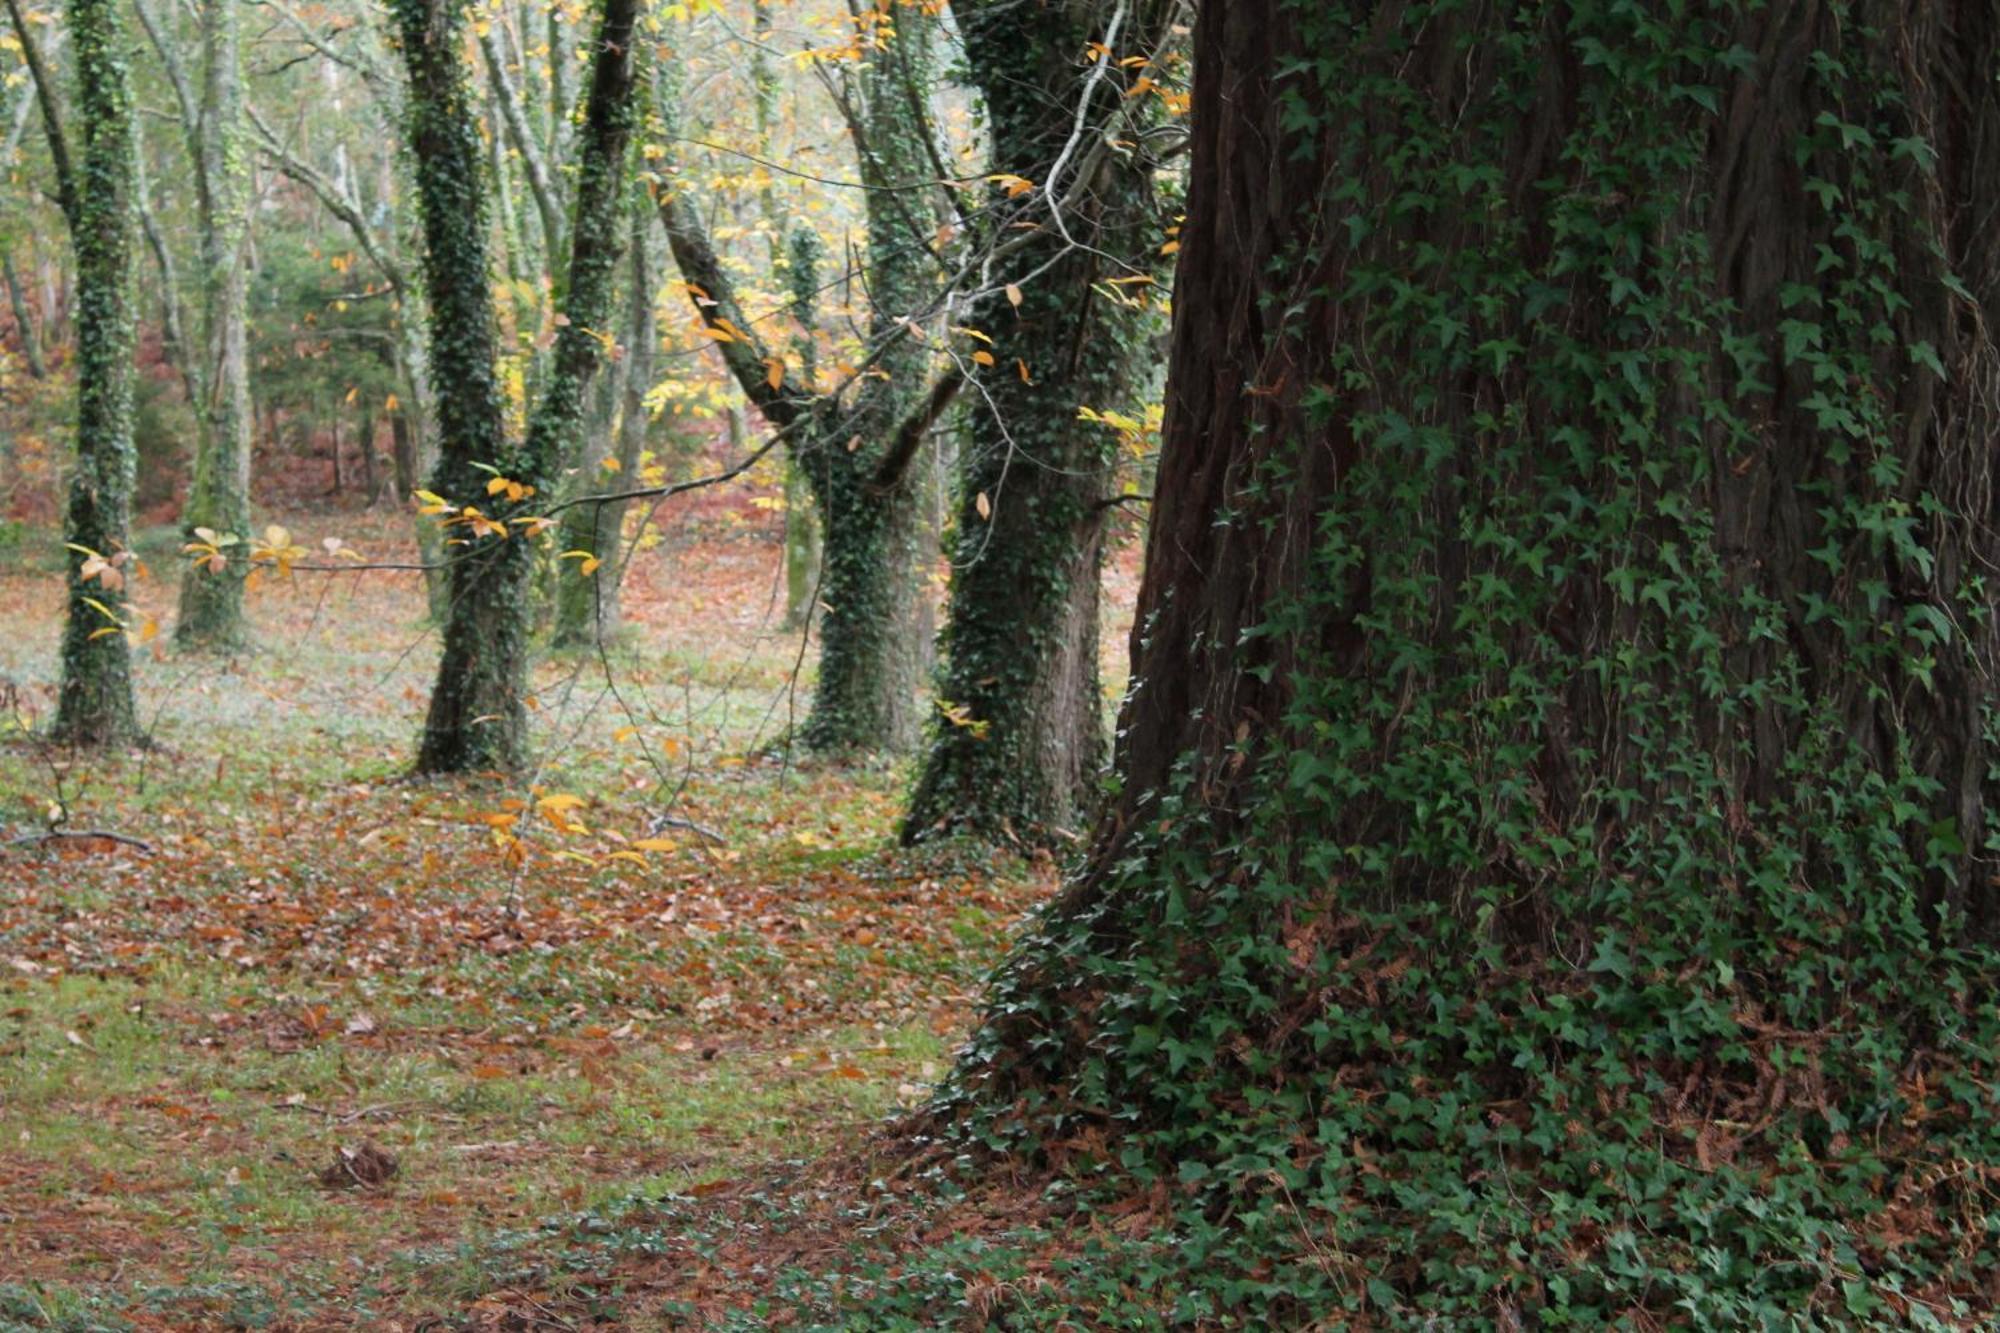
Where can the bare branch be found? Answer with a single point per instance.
(330, 197)
(910, 435)
(52, 119)
(539, 184)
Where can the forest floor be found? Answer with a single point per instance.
(628, 1076)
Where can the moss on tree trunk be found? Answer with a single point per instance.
(1019, 741)
(211, 603)
(478, 710)
(94, 703)
(1566, 673)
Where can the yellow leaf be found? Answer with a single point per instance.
(983, 357)
(497, 485)
(654, 844)
(1022, 366)
(983, 505)
(774, 372)
(590, 566)
(1014, 296)
(611, 464)
(561, 800)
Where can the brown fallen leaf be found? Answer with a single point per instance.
(366, 1166)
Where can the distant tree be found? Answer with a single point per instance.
(211, 606)
(587, 608)
(95, 704)
(1556, 803)
(1019, 741)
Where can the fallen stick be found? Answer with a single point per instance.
(57, 835)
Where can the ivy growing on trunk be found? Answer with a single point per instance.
(1551, 881)
(478, 706)
(859, 451)
(1019, 741)
(94, 703)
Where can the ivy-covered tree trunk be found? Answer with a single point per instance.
(476, 717)
(478, 711)
(1019, 741)
(587, 600)
(95, 703)
(211, 605)
(859, 454)
(1556, 802)
(873, 653)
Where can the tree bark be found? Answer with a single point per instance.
(95, 704)
(211, 603)
(24, 324)
(587, 605)
(216, 372)
(476, 718)
(1576, 499)
(1019, 742)
(856, 456)
(478, 712)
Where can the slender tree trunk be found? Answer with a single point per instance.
(802, 547)
(478, 714)
(95, 703)
(802, 538)
(211, 605)
(371, 481)
(174, 342)
(1019, 742)
(1565, 670)
(476, 718)
(31, 340)
(587, 605)
(416, 446)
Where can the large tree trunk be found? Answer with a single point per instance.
(860, 458)
(211, 606)
(1020, 739)
(478, 712)
(1565, 672)
(873, 655)
(95, 703)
